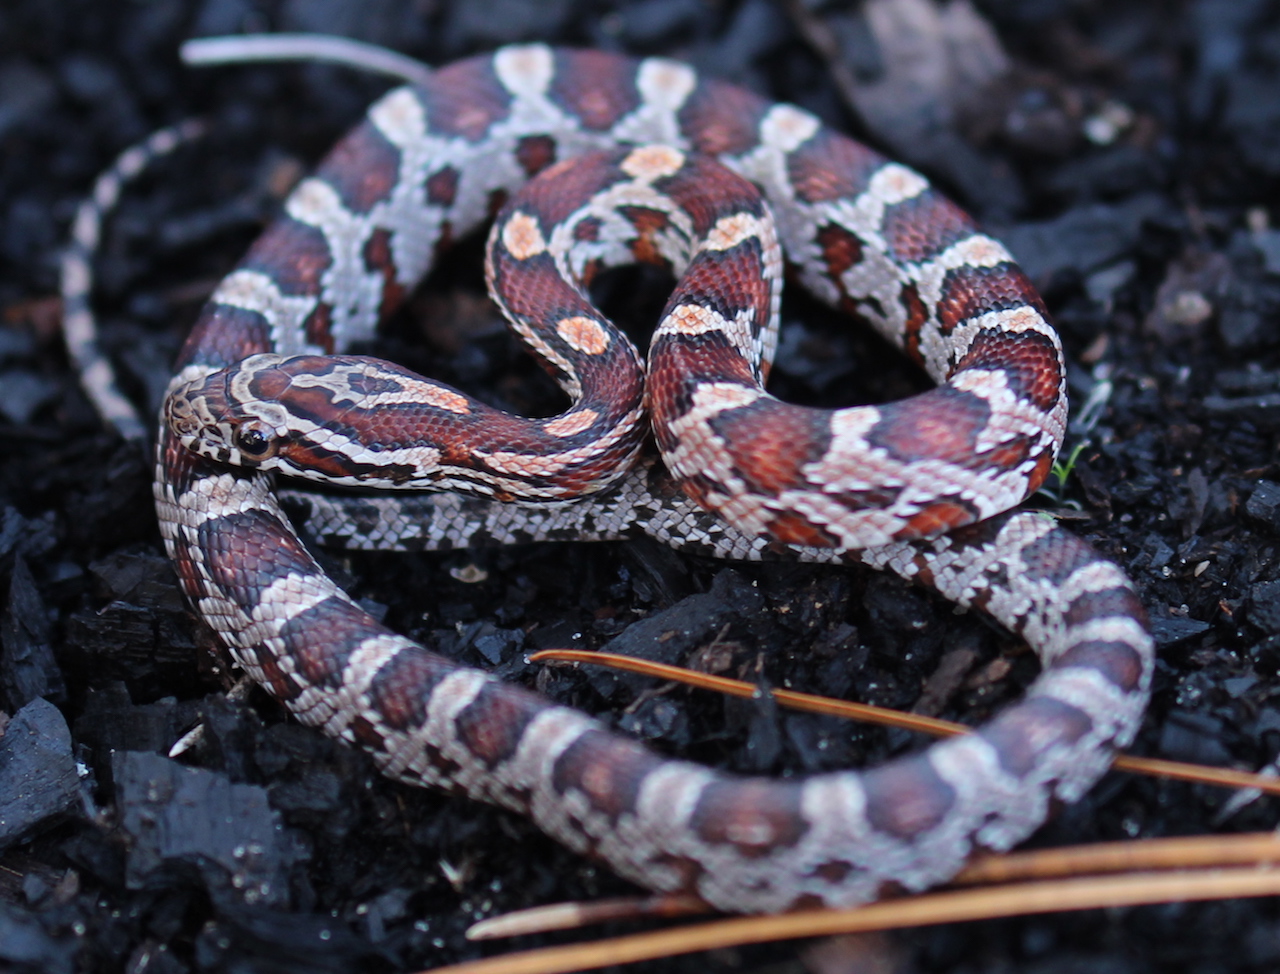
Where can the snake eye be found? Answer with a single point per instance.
(255, 440)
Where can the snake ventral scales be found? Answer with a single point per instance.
(919, 487)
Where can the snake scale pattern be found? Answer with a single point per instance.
(429, 164)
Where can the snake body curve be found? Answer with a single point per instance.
(426, 166)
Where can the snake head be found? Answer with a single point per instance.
(213, 415)
(319, 417)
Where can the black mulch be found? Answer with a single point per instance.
(1127, 151)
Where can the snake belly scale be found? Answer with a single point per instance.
(875, 485)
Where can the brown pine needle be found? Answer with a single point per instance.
(1187, 852)
(1201, 774)
(739, 688)
(1018, 899)
(1153, 767)
(574, 915)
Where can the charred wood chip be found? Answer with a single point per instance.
(1263, 504)
(111, 721)
(27, 667)
(179, 818)
(39, 785)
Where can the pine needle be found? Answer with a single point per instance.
(1016, 899)
(1153, 767)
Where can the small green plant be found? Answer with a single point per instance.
(1059, 473)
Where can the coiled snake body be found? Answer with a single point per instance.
(426, 166)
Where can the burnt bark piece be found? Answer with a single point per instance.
(38, 782)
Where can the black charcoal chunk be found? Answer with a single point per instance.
(179, 818)
(39, 785)
(28, 945)
(27, 667)
(1264, 504)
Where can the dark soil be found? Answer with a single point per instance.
(1128, 155)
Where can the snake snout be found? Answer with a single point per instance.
(192, 414)
(185, 413)
(179, 416)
